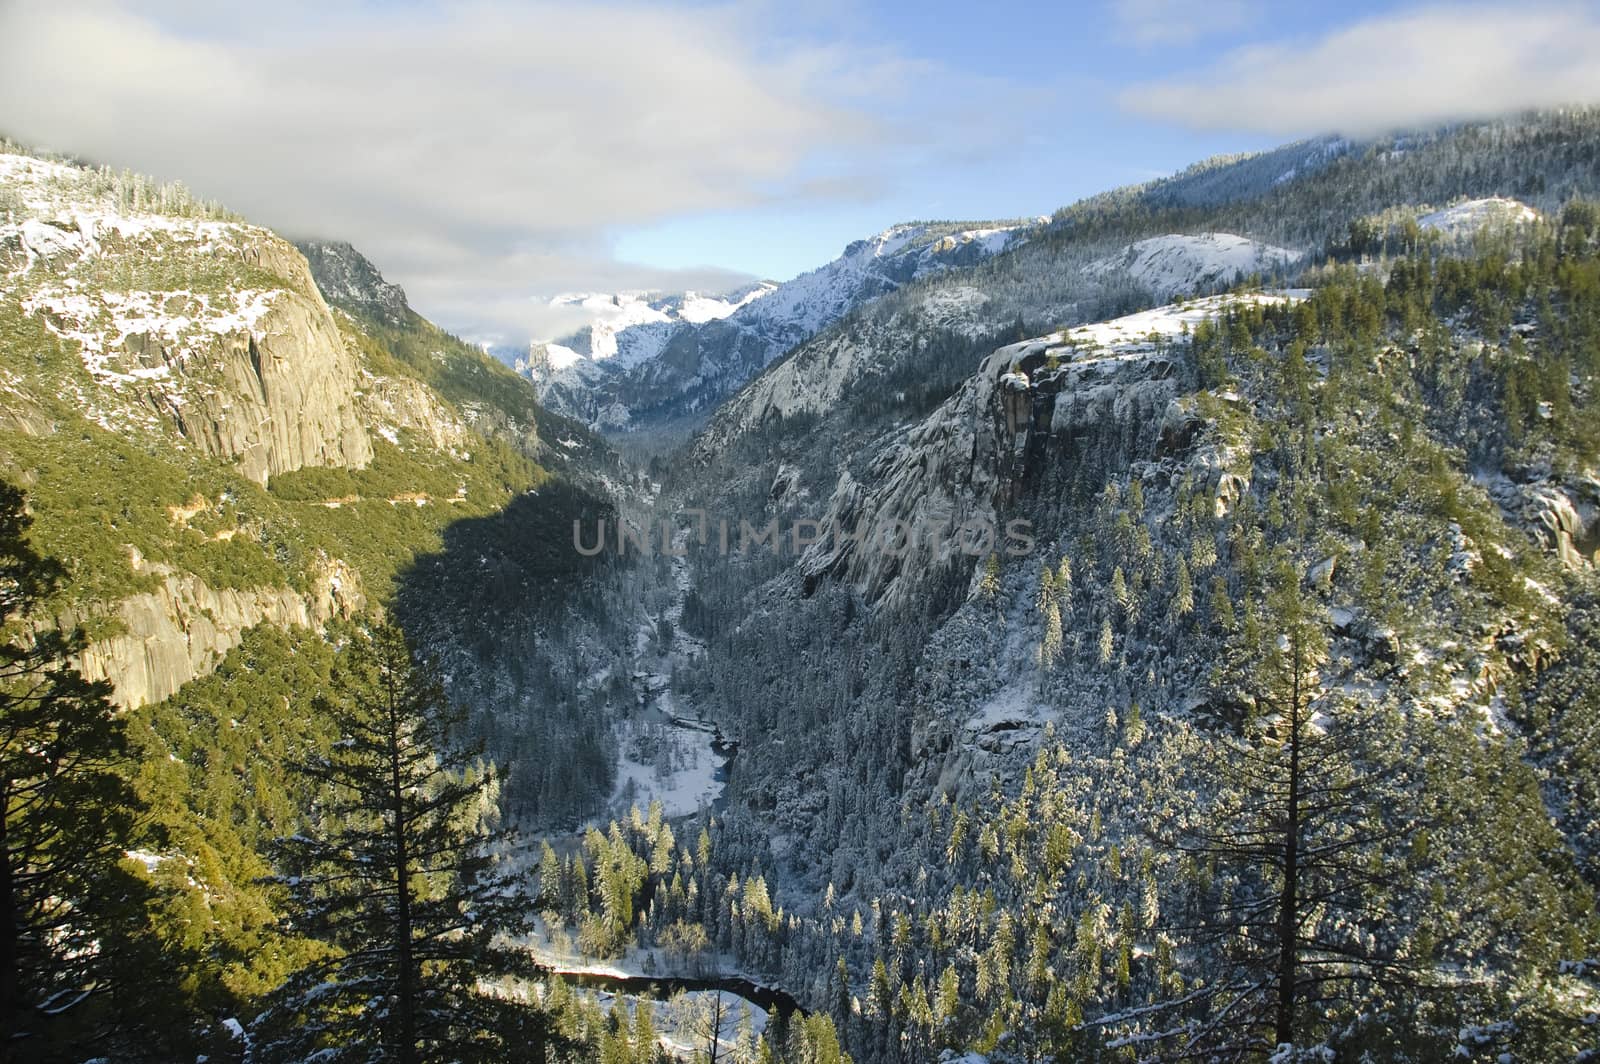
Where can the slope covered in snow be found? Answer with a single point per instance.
(899, 254)
(645, 364)
(1466, 218)
(1179, 264)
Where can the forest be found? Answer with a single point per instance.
(1281, 745)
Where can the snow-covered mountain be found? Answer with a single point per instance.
(1177, 264)
(648, 363)
(633, 327)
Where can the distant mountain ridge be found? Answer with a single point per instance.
(654, 364)
(633, 327)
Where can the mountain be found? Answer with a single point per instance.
(661, 366)
(632, 327)
(1166, 631)
(238, 450)
(347, 279)
(153, 332)
(985, 746)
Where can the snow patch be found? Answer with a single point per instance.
(1176, 263)
(1138, 334)
(1466, 218)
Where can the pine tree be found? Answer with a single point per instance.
(1183, 591)
(398, 876)
(66, 811)
(989, 584)
(1310, 839)
(1050, 612)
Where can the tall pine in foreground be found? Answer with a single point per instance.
(65, 814)
(399, 875)
(1312, 816)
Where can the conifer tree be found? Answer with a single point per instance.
(1309, 829)
(398, 874)
(66, 811)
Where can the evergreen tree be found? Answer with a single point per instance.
(398, 875)
(66, 811)
(1309, 831)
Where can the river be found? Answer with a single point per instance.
(768, 999)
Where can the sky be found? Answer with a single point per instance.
(488, 154)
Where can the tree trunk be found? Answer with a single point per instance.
(716, 1026)
(1288, 910)
(10, 975)
(406, 991)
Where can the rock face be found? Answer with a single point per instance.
(932, 498)
(203, 327)
(394, 403)
(287, 397)
(347, 279)
(819, 373)
(183, 628)
(1177, 263)
(1029, 404)
(1564, 516)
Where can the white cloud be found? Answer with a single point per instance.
(1155, 23)
(1427, 66)
(478, 152)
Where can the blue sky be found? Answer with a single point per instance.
(1067, 63)
(488, 154)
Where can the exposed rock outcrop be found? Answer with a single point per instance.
(1564, 516)
(404, 403)
(183, 628)
(284, 394)
(185, 323)
(1029, 404)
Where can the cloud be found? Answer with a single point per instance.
(478, 152)
(1155, 23)
(1428, 66)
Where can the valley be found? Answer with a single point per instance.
(1274, 716)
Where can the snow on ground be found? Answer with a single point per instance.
(807, 303)
(1177, 263)
(665, 753)
(1136, 334)
(25, 169)
(698, 309)
(1013, 704)
(659, 761)
(103, 322)
(682, 1022)
(561, 357)
(954, 306)
(1466, 218)
(683, 1025)
(993, 241)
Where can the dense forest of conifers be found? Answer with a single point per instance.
(1319, 765)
